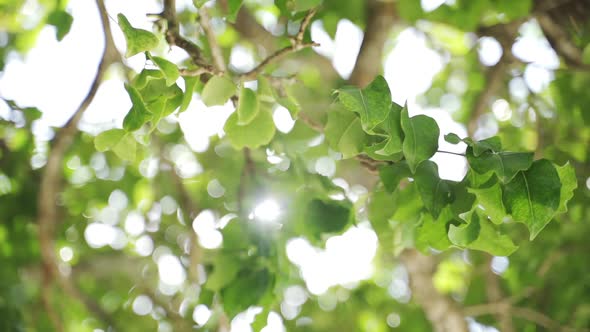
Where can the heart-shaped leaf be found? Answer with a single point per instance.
(138, 40)
(372, 103)
(532, 197)
(421, 138)
(247, 106)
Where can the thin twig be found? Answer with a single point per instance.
(524, 313)
(297, 44)
(304, 24)
(216, 51)
(450, 152)
(193, 72)
(51, 178)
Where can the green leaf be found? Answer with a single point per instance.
(391, 175)
(532, 197)
(218, 90)
(567, 177)
(489, 199)
(434, 191)
(380, 209)
(408, 204)
(259, 131)
(421, 138)
(302, 5)
(477, 180)
(375, 151)
(286, 99)
(138, 40)
(119, 141)
(489, 144)
(453, 138)
(344, 133)
(140, 81)
(479, 234)
(462, 199)
(189, 90)
(233, 8)
(247, 106)
(505, 164)
(326, 217)
(479, 147)
(248, 288)
(199, 3)
(138, 114)
(392, 126)
(225, 269)
(433, 232)
(169, 69)
(62, 21)
(372, 103)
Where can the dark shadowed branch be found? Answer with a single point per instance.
(51, 184)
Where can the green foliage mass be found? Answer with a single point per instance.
(151, 233)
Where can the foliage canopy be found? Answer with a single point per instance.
(133, 228)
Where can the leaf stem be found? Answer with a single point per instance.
(453, 153)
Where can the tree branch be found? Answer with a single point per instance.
(524, 313)
(494, 78)
(249, 29)
(216, 52)
(561, 42)
(51, 180)
(380, 19)
(297, 44)
(495, 294)
(174, 38)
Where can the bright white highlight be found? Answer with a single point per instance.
(346, 259)
(500, 264)
(170, 270)
(206, 228)
(267, 211)
(142, 305)
(282, 119)
(98, 235)
(66, 254)
(134, 224)
(201, 314)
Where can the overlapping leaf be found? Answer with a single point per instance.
(533, 196)
(344, 133)
(259, 131)
(435, 192)
(504, 164)
(480, 234)
(372, 103)
(247, 106)
(119, 141)
(218, 90)
(421, 138)
(138, 40)
(489, 199)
